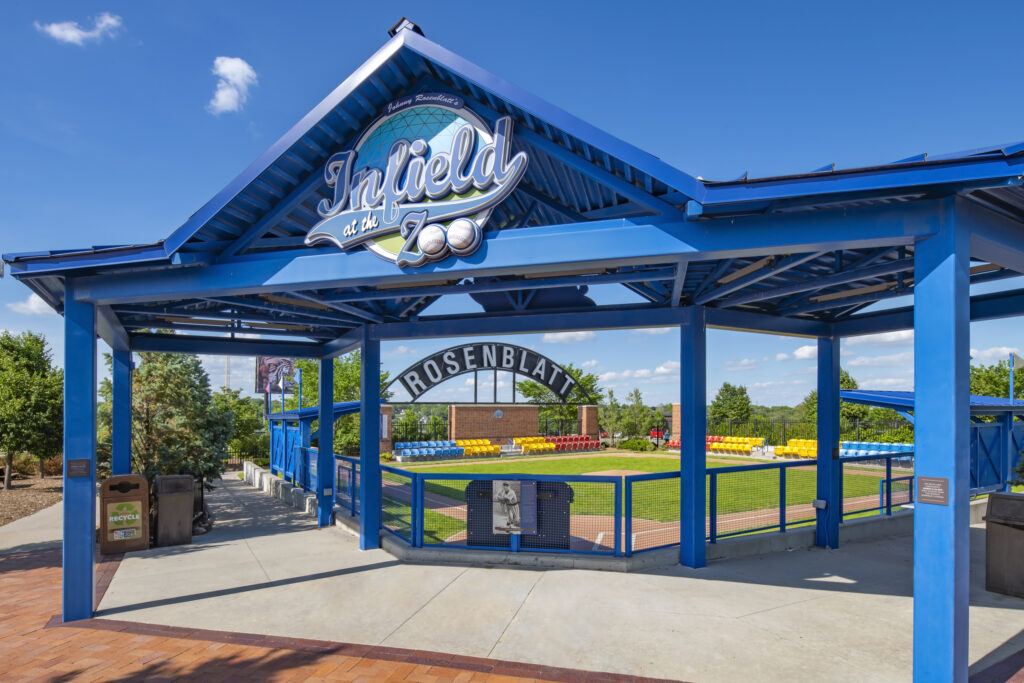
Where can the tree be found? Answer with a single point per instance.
(346, 388)
(611, 415)
(994, 380)
(176, 426)
(248, 427)
(848, 412)
(586, 390)
(731, 403)
(639, 419)
(31, 400)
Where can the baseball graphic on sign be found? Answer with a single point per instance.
(462, 233)
(431, 239)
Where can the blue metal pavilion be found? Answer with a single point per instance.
(804, 255)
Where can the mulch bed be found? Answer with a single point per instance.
(28, 495)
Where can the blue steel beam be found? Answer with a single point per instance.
(692, 427)
(325, 448)
(679, 282)
(829, 488)
(79, 532)
(349, 341)
(616, 319)
(369, 443)
(941, 437)
(991, 306)
(551, 250)
(222, 346)
(109, 328)
(121, 412)
(739, 283)
(994, 237)
(506, 285)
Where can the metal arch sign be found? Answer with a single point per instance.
(420, 182)
(426, 374)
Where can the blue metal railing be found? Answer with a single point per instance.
(641, 504)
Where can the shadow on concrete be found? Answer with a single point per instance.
(1001, 663)
(234, 590)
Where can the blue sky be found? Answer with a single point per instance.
(120, 119)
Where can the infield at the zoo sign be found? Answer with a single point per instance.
(420, 182)
(426, 374)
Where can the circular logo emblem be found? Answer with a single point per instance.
(498, 414)
(420, 183)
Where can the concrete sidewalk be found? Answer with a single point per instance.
(38, 531)
(804, 615)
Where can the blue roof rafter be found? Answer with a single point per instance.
(780, 266)
(819, 283)
(679, 282)
(279, 306)
(343, 308)
(223, 346)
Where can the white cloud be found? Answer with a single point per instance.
(740, 365)
(401, 350)
(667, 368)
(653, 330)
(809, 352)
(105, 25)
(642, 373)
(234, 78)
(567, 337)
(893, 360)
(901, 338)
(993, 354)
(33, 305)
(782, 356)
(589, 364)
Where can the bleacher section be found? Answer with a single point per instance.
(741, 445)
(476, 448)
(412, 451)
(574, 442)
(533, 445)
(808, 448)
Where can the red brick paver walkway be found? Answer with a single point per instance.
(36, 646)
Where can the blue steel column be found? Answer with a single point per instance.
(941, 447)
(369, 443)
(826, 532)
(1006, 457)
(121, 418)
(79, 444)
(325, 450)
(692, 427)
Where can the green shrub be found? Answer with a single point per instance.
(638, 445)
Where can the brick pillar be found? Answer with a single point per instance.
(675, 421)
(587, 416)
(385, 429)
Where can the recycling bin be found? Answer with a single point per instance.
(124, 514)
(1004, 544)
(175, 496)
(554, 499)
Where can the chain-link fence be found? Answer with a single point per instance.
(397, 491)
(876, 485)
(652, 511)
(346, 485)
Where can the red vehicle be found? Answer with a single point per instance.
(657, 433)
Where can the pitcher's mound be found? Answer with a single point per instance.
(616, 473)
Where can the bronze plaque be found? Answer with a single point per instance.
(934, 490)
(77, 467)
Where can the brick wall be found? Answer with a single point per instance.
(675, 420)
(478, 421)
(587, 415)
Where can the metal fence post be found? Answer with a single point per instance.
(629, 516)
(888, 486)
(618, 517)
(713, 505)
(782, 499)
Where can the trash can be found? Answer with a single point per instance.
(175, 495)
(1004, 544)
(553, 530)
(124, 514)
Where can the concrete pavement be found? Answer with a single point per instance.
(38, 531)
(822, 615)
